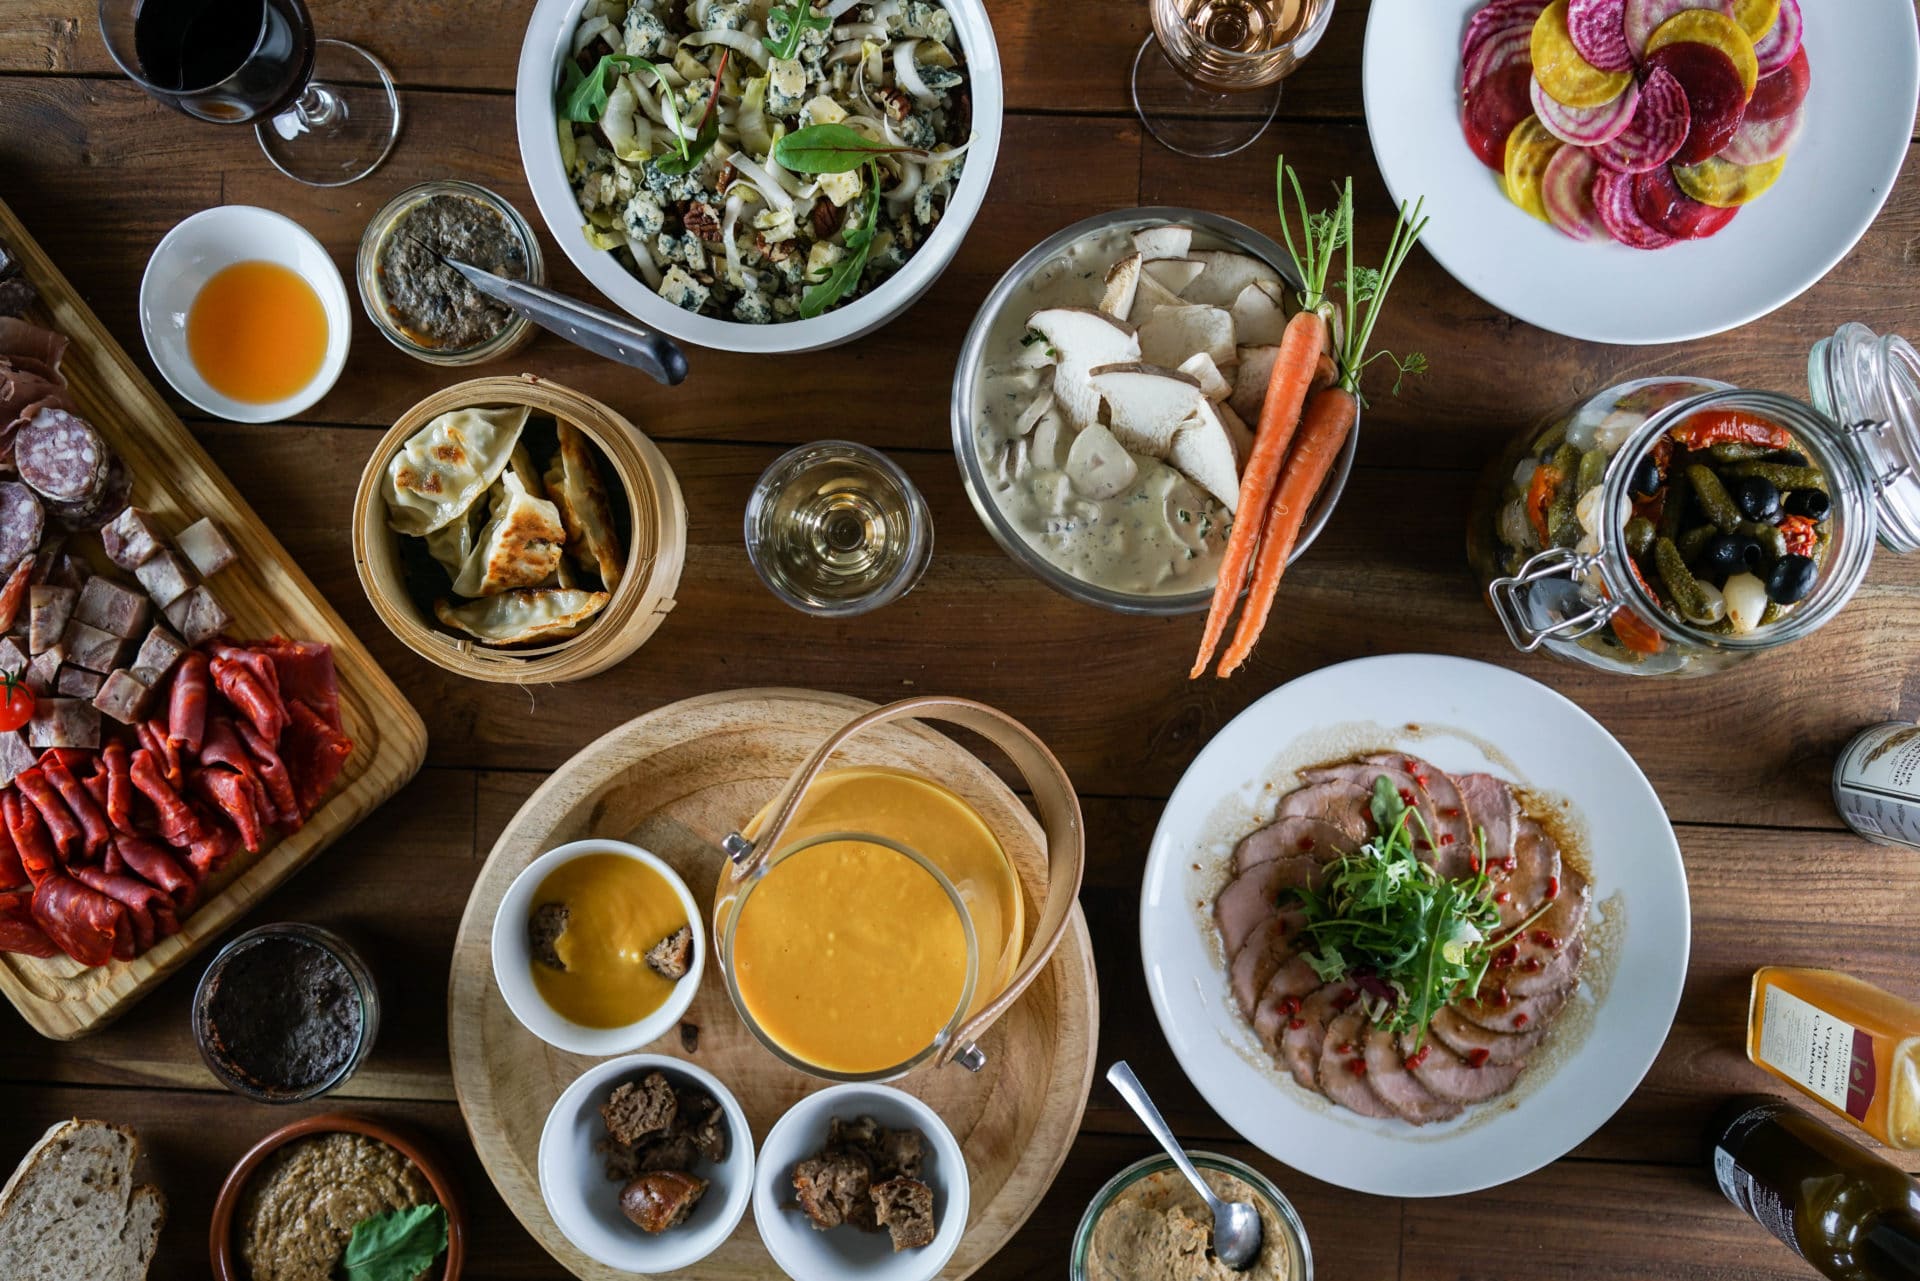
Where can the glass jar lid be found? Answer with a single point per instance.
(1869, 386)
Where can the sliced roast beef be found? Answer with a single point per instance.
(1463, 1037)
(1452, 1076)
(1451, 814)
(1544, 970)
(1398, 1088)
(1496, 812)
(1282, 998)
(1252, 896)
(1523, 883)
(1341, 804)
(1304, 1033)
(1342, 1073)
(1265, 950)
(1312, 836)
(1500, 1009)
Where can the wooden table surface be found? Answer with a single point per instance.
(99, 173)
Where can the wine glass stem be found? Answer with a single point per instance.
(318, 106)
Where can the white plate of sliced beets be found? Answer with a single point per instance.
(1415, 925)
(1642, 171)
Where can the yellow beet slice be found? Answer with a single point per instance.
(1568, 78)
(1715, 30)
(1756, 17)
(1717, 182)
(1530, 149)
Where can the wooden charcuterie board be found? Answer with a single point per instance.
(266, 593)
(675, 782)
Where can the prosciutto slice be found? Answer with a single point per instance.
(306, 675)
(234, 795)
(251, 682)
(156, 865)
(178, 826)
(149, 911)
(86, 811)
(60, 824)
(315, 753)
(12, 870)
(31, 843)
(87, 925)
(187, 704)
(116, 765)
(19, 932)
(276, 785)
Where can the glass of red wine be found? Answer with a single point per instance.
(325, 111)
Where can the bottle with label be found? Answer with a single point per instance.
(1851, 1215)
(1843, 1042)
(1876, 784)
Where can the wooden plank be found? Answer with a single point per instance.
(1077, 52)
(1364, 570)
(266, 594)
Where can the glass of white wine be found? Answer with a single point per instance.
(1207, 81)
(835, 528)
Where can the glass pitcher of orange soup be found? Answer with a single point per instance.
(872, 921)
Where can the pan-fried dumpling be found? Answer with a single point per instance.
(519, 547)
(573, 482)
(524, 616)
(445, 466)
(452, 543)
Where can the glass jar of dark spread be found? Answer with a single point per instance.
(285, 1012)
(426, 308)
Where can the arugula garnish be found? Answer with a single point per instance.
(1384, 913)
(831, 149)
(845, 274)
(583, 94)
(799, 19)
(396, 1246)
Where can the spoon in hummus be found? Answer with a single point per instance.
(1236, 1225)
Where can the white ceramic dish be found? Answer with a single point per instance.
(190, 254)
(586, 1205)
(1865, 58)
(548, 44)
(848, 1254)
(1472, 716)
(513, 959)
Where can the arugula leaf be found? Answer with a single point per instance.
(799, 18)
(845, 274)
(583, 95)
(396, 1246)
(704, 137)
(831, 149)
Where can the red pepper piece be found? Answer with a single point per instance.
(1730, 427)
(1478, 1057)
(1802, 535)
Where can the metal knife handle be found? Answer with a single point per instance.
(600, 332)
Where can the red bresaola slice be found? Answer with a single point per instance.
(1658, 200)
(1497, 16)
(1493, 107)
(1643, 17)
(1716, 96)
(1779, 95)
(1774, 50)
(1584, 126)
(1613, 198)
(1759, 141)
(1659, 125)
(1567, 189)
(1508, 47)
(1599, 31)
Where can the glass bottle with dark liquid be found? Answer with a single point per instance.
(229, 61)
(1848, 1213)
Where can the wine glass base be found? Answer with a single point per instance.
(1194, 121)
(342, 126)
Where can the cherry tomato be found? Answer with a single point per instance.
(17, 708)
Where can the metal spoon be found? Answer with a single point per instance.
(1236, 1225)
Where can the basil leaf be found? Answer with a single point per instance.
(396, 1246)
(584, 97)
(830, 149)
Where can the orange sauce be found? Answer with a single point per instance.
(257, 332)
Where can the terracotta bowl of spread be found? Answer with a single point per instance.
(225, 1251)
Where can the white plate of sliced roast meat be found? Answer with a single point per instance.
(1415, 925)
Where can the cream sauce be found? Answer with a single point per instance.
(1160, 536)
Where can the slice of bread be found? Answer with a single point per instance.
(70, 1209)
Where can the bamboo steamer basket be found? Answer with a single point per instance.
(656, 551)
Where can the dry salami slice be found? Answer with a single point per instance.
(61, 456)
(22, 521)
(103, 507)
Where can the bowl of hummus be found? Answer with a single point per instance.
(288, 1209)
(1148, 1224)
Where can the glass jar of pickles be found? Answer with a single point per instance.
(1677, 526)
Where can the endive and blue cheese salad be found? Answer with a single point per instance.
(761, 161)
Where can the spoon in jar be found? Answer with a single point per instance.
(1236, 1225)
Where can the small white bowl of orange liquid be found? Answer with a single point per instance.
(245, 314)
(596, 991)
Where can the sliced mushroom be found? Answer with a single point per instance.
(1150, 297)
(1226, 275)
(1032, 413)
(1213, 383)
(1145, 403)
(1050, 441)
(1250, 380)
(1257, 317)
(1202, 451)
(1082, 339)
(1172, 334)
(1123, 279)
(1241, 434)
(1098, 467)
(1176, 273)
(1163, 242)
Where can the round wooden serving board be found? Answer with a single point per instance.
(675, 782)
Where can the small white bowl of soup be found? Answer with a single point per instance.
(890, 914)
(245, 314)
(620, 901)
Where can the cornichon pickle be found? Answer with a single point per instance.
(1734, 451)
(1593, 469)
(1713, 497)
(1562, 529)
(1694, 541)
(1549, 439)
(1769, 535)
(1683, 589)
(1773, 613)
(1640, 535)
(1784, 477)
(1673, 509)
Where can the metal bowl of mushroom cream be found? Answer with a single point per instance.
(1106, 398)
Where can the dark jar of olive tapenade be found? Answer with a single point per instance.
(1678, 526)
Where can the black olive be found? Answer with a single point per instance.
(1788, 458)
(1726, 555)
(1757, 497)
(1646, 477)
(1808, 502)
(1792, 580)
